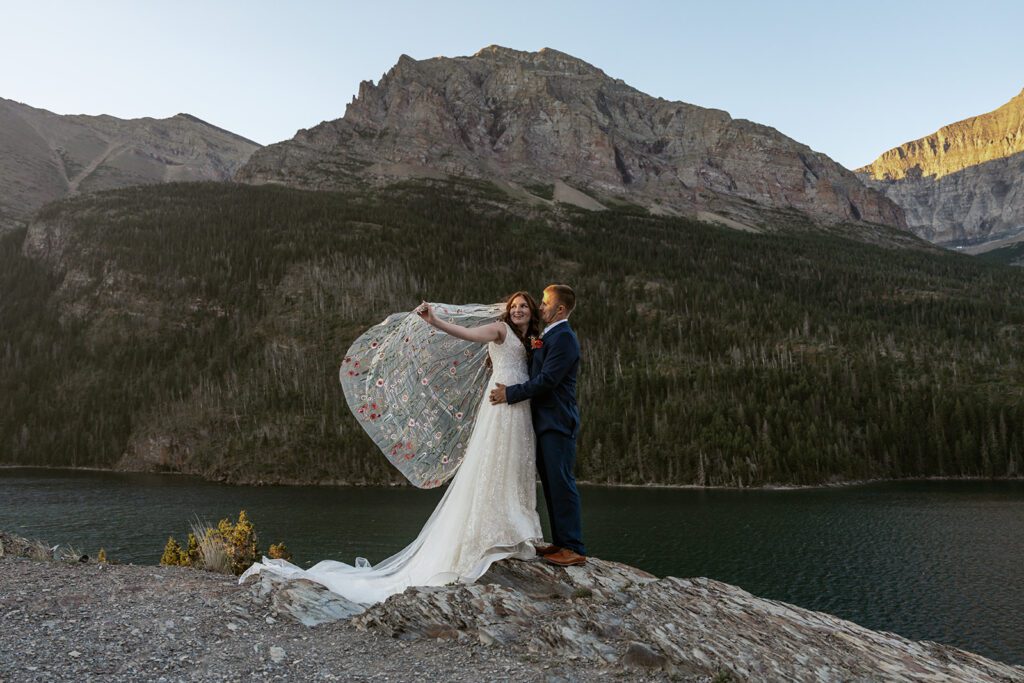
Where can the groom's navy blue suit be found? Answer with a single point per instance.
(556, 419)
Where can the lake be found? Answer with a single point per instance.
(935, 560)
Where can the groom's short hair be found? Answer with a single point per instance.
(564, 295)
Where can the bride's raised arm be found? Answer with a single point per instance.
(491, 332)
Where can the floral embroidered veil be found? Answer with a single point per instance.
(416, 390)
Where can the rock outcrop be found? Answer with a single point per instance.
(46, 156)
(118, 623)
(539, 121)
(611, 614)
(12, 545)
(963, 184)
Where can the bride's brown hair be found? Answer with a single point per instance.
(533, 329)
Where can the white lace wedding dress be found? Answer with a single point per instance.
(487, 514)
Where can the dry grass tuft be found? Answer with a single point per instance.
(211, 551)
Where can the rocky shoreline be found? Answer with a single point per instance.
(523, 621)
(582, 482)
(62, 621)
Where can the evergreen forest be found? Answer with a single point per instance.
(199, 328)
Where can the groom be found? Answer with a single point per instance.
(556, 419)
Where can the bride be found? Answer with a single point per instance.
(397, 390)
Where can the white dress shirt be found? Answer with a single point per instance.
(552, 325)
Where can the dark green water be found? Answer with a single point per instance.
(941, 561)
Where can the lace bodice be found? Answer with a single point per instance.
(508, 359)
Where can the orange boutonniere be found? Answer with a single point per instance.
(536, 344)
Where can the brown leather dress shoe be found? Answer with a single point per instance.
(565, 558)
(543, 550)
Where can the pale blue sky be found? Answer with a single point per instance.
(849, 79)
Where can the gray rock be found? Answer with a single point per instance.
(963, 184)
(46, 156)
(548, 127)
(305, 601)
(16, 546)
(974, 206)
(690, 627)
(642, 656)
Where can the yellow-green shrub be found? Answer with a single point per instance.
(172, 553)
(279, 551)
(241, 542)
(191, 557)
(228, 548)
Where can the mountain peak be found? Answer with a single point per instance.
(535, 119)
(508, 53)
(957, 146)
(960, 186)
(182, 116)
(45, 156)
(546, 57)
(498, 51)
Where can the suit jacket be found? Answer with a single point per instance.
(552, 384)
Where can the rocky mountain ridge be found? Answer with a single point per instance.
(536, 123)
(962, 185)
(46, 156)
(996, 135)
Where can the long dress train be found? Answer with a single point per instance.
(487, 514)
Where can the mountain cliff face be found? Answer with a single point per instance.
(548, 120)
(46, 156)
(962, 184)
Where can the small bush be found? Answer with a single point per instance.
(172, 553)
(279, 551)
(228, 548)
(241, 542)
(192, 557)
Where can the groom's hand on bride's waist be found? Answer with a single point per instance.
(498, 394)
